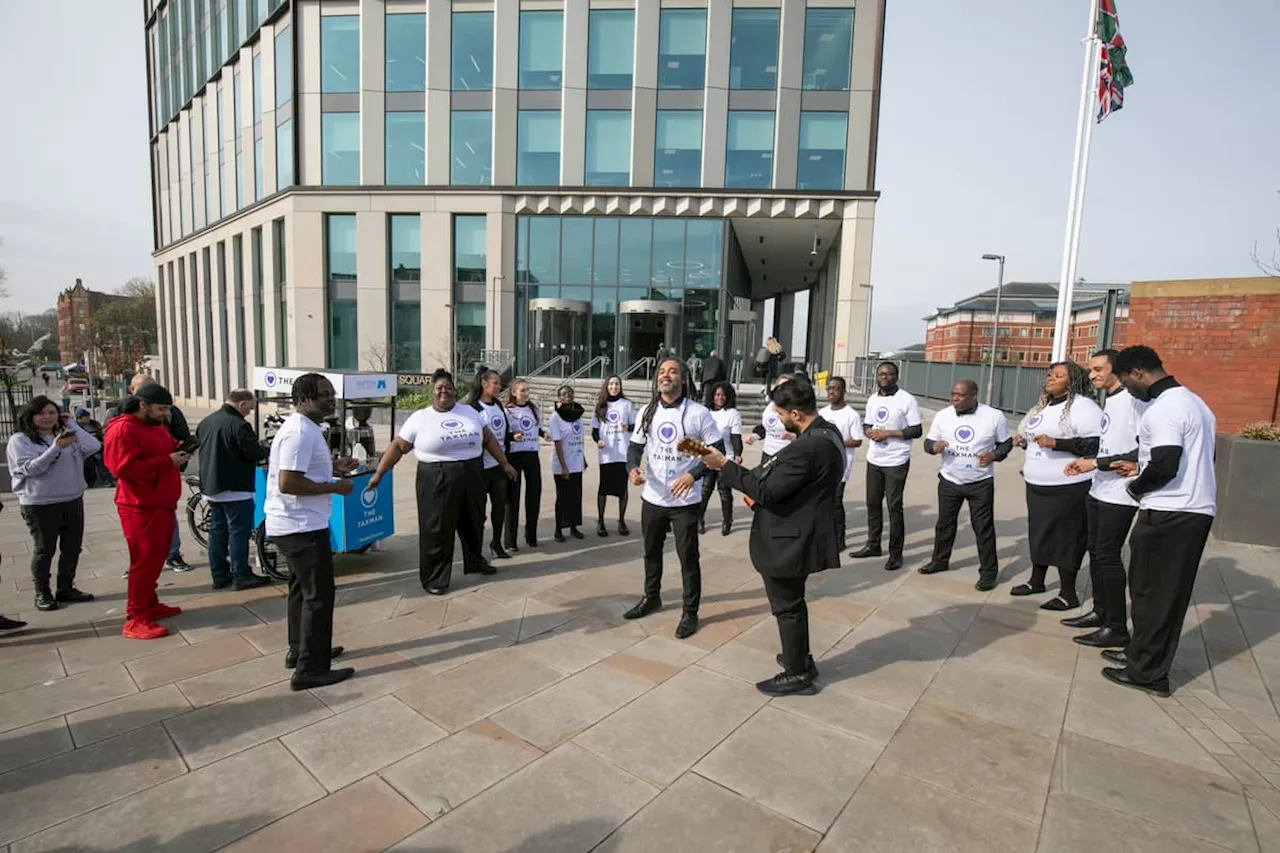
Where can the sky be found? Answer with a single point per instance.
(977, 126)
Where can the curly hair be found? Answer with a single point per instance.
(1077, 386)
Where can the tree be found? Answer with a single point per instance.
(124, 329)
(21, 331)
(4, 280)
(1269, 266)
(388, 357)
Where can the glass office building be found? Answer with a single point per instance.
(401, 184)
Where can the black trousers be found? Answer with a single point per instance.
(841, 519)
(568, 501)
(57, 526)
(886, 485)
(1166, 549)
(1108, 528)
(311, 594)
(683, 520)
(450, 501)
(982, 516)
(786, 601)
(495, 481)
(529, 470)
(710, 485)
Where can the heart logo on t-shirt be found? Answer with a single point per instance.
(882, 415)
(1106, 421)
(770, 420)
(496, 423)
(451, 423)
(667, 433)
(964, 434)
(526, 423)
(577, 427)
(613, 416)
(1035, 421)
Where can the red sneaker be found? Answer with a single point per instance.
(163, 611)
(138, 629)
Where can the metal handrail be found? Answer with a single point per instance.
(646, 362)
(582, 372)
(561, 360)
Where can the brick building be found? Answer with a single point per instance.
(76, 306)
(1220, 337)
(966, 331)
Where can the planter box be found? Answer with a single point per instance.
(1248, 475)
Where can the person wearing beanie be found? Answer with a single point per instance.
(145, 459)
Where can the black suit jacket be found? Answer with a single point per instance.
(797, 495)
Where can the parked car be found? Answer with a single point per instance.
(77, 385)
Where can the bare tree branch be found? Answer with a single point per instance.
(1269, 266)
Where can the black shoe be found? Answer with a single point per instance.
(45, 600)
(933, 568)
(644, 608)
(726, 527)
(482, 569)
(1116, 656)
(177, 564)
(623, 530)
(511, 547)
(1159, 687)
(559, 537)
(1088, 620)
(1104, 638)
(688, 626)
(499, 553)
(866, 551)
(811, 670)
(437, 590)
(320, 679)
(1058, 604)
(7, 624)
(985, 584)
(291, 657)
(531, 540)
(1026, 589)
(576, 533)
(72, 596)
(602, 531)
(221, 585)
(251, 582)
(702, 525)
(893, 563)
(787, 685)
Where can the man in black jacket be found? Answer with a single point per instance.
(795, 497)
(713, 373)
(229, 457)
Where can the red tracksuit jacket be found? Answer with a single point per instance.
(138, 455)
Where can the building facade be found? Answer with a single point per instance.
(967, 331)
(401, 184)
(76, 306)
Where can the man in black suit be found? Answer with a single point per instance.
(713, 373)
(795, 496)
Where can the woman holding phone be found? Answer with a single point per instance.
(525, 420)
(568, 463)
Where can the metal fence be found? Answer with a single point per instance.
(12, 399)
(1015, 391)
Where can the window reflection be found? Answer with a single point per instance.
(405, 350)
(575, 250)
(538, 148)
(544, 251)
(340, 238)
(406, 48)
(340, 144)
(541, 49)
(340, 53)
(608, 148)
(828, 48)
(678, 155)
(471, 148)
(667, 278)
(820, 161)
(610, 48)
(284, 66)
(682, 48)
(284, 154)
(753, 57)
(472, 51)
(406, 151)
(470, 254)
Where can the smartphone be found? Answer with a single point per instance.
(190, 447)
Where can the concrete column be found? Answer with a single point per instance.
(786, 140)
(271, 293)
(439, 89)
(500, 283)
(506, 85)
(859, 165)
(246, 124)
(373, 293)
(373, 98)
(644, 95)
(715, 109)
(234, 305)
(227, 130)
(308, 304)
(573, 98)
(306, 108)
(853, 272)
(437, 289)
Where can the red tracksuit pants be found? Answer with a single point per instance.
(149, 534)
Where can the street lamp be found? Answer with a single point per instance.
(995, 337)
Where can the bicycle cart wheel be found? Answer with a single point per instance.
(198, 519)
(269, 559)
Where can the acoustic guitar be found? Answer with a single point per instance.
(697, 449)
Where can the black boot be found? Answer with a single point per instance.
(71, 595)
(44, 599)
(645, 606)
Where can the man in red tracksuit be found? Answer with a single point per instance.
(145, 458)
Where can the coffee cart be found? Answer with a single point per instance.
(362, 517)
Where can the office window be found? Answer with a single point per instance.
(284, 66)
(204, 326)
(682, 48)
(340, 143)
(406, 48)
(406, 148)
(212, 210)
(538, 148)
(748, 159)
(259, 307)
(257, 88)
(608, 148)
(284, 154)
(611, 48)
(235, 164)
(541, 49)
(678, 156)
(472, 55)
(282, 292)
(828, 48)
(471, 148)
(340, 253)
(753, 56)
(405, 349)
(820, 159)
(242, 305)
(575, 250)
(470, 255)
(340, 53)
(258, 174)
(184, 314)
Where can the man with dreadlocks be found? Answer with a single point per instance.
(672, 487)
(1063, 426)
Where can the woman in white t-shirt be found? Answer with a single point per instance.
(524, 416)
(448, 439)
(724, 411)
(484, 398)
(612, 423)
(568, 462)
(1063, 426)
(770, 428)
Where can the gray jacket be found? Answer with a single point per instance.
(45, 473)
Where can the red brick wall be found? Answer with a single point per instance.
(1220, 337)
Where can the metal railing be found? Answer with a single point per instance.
(647, 363)
(584, 372)
(561, 361)
(1016, 388)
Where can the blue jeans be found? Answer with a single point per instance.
(230, 528)
(175, 549)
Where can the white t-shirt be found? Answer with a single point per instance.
(494, 417)
(570, 434)
(968, 437)
(893, 412)
(1120, 415)
(453, 436)
(849, 422)
(299, 445)
(523, 420)
(615, 430)
(1177, 417)
(773, 431)
(1044, 467)
(730, 423)
(664, 464)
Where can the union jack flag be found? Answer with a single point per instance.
(1114, 74)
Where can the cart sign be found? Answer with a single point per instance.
(366, 515)
(278, 381)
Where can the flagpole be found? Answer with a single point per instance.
(1075, 204)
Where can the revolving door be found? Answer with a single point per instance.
(558, 328)
(644, 327)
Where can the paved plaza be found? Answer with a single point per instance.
(522, 713)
